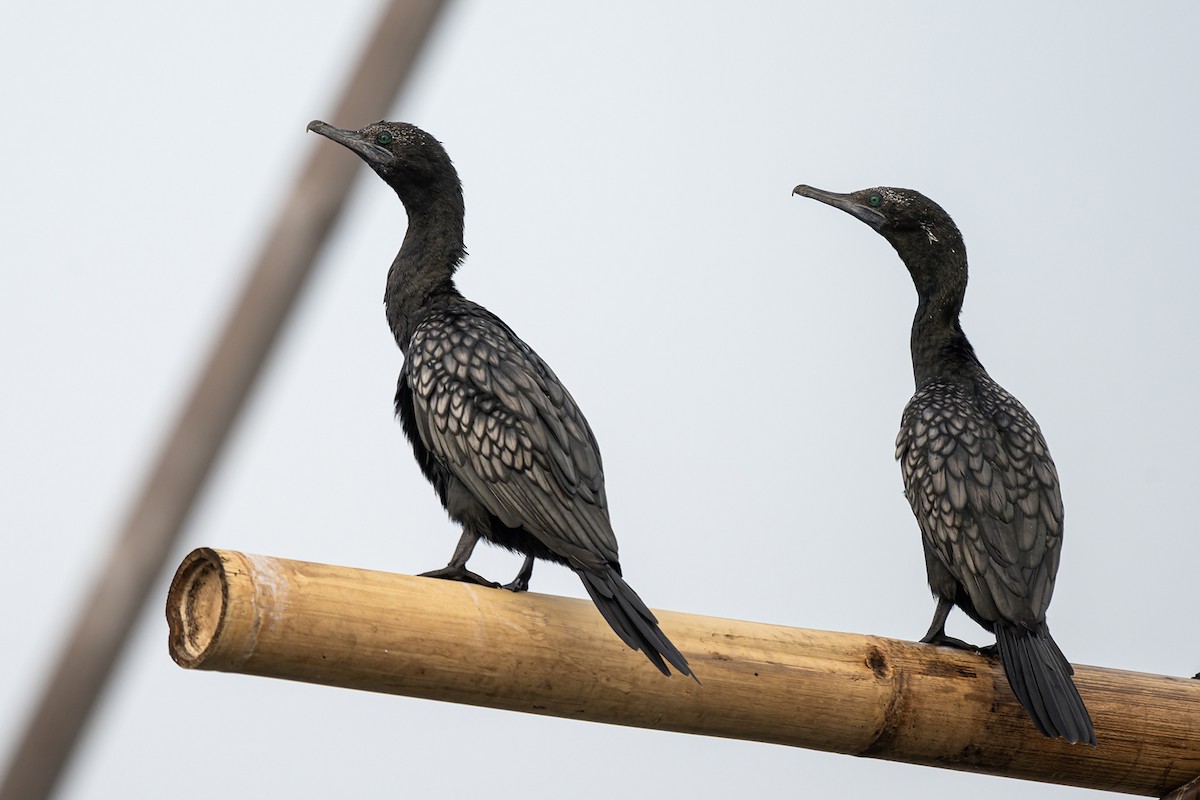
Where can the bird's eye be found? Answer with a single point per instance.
(384, 138)
(874, 200)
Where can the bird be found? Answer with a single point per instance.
(505, 446)
(976, 469)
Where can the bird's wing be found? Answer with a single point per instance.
(499, 418)
(984, 489)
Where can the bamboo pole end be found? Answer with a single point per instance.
(196, 604)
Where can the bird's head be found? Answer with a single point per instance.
(896, 214)
(405, 156)
(924, 235)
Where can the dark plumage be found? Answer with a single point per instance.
(508, 452)
(976, 470)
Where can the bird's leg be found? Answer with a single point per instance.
(521, 582)
(937, 628)
(457, 570)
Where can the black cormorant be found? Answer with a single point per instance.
(506, 448)
(976, 469)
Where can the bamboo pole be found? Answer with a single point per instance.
(157, 513)
(839, 692)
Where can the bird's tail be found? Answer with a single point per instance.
(1040, 677)
(631, 619)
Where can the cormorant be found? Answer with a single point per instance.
(506, 448)
(976, 470)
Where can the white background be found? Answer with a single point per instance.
(742, 354)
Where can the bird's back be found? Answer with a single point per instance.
(985, 492)
(496, 416)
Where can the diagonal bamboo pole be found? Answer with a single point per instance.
(839, 692)
(158, 513)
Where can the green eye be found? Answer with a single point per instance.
(384, 138)
(874, 200)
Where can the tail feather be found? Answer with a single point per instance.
(629, 617)
(1040, 677)
(605, 600)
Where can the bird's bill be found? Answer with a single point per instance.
(845, 202)
(367, 150)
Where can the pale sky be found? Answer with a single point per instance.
(741, 354)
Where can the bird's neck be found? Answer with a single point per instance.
(423, 273)
(940, 350)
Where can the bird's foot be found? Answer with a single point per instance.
(517, 584)
(452, 573)
(942, 640)
(521, 582)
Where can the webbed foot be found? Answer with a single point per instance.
(453, 573)
(942, 640)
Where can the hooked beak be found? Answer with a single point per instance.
(872, 216)
(367, 150)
